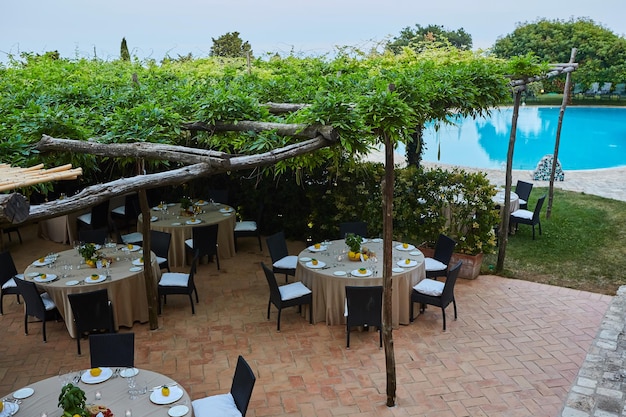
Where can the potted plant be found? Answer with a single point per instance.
(72, 400)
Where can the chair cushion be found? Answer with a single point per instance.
(245, 226)
(132, 237)
(293, 290)
(47, 301)
(11, 282)
(288, 262)
(430, 287)
(434, 265)
(160, 260)
(221, 405)
(189, 243)
(121, 210)
(523, 214)
(174, 279)
(522, 201)
(85, 218)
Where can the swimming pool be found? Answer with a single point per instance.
(591, 138)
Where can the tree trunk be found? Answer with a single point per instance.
(387, 330)
(150, 279)
(297, 131)
(14, 207)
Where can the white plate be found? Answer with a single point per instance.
(365, 240)
(176, 224)
(72, 283)
(128, 372)
(193, 222)
(178, 411)
(226, 210)
(175, 394)
(319, 265)
(305, 259)
(154, 218)
(340, 273)
(410, 247)
(100, 278)
(201, 203)
(104, 375)
(33, 274)
(137, 262)
(226, 214)
(403, 263)
(136, 269)
(415, 253)
(170, 204)
(45, 262)
(48, 278)
(397, 270)
(20, 394)
(133, 248)
(357, 273)
(377, 240)
(157, 208)
(321, 248)
(9, 409)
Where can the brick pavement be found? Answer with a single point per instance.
(515, 350)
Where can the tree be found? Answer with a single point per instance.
(124, 54)
(230, 45)
(601, 53)
(416, 37)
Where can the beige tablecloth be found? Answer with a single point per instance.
(62, 229)
(175, 224)
(329, 289)
(114, 396)
(127, 289)
(513, 201)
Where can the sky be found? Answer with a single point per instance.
(158, 28)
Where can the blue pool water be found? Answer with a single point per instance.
(591, 138)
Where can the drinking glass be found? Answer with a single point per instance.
(132, 387)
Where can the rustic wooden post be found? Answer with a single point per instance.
(150, 279)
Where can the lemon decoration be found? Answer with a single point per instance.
(129, 246)
(1, 406)
(405, 245)
(408, 261)
(362, 270)
(95, 276)
(43, 276)
(95, 371)
(42, 259)
(314, 261)
(317, 246)
(76, 415)
(165, 391)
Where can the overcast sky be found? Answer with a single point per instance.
(156, 28)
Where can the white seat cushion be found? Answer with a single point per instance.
(288, 262)
(174, 279)
(293, 290)
(85, 218)
(245, 226)
(434, 265)
(522, 201)
(134, 237)
(189, 242)
(121, 210)
(523, 214)
(160, 260)
(9, 284)
(430, 287)
(47, 301)
(221, 405)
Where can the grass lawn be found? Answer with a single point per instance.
(583, 245)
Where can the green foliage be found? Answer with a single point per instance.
(124, 54)
(230, 45)
(72, 400)
(415, 38)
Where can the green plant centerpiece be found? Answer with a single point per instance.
(73, 401)
(357, 253)
(89, 253)
(185, 205)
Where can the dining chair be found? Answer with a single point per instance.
(8, 275)
(282, 262)
(358, 228)
(112, 349)
(523, 189)
(233, 403)
(128, 212)
(97, 218)
(204, 242)
(12, 229)
(160, 244)
(436, 293)
(364, 308)
(179, 283)
(40, 306)
(288, 295)
(93, 312)
(531, 218)
(437, 265)
(97, 236)
(249, 228)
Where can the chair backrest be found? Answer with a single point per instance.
(92, 311)
(364, 305)
(271, 281)
(7, 267)
(219, 196)
(34, 303)
(277, 245)
(160, 243)
(523, 189)
(243, 384)
(444, 249)
(100, 215)
(205, 239)
(447, 295)
(537, 210)
(93, 235)
(112, 349)
(358, 228)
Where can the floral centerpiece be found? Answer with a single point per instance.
(357, 253)
(89, 253)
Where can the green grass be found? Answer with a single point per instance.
(583, 245)
(557, 100)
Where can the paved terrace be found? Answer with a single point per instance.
(518, 348)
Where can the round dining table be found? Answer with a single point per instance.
(168, 218)
(498, 199)
(334, 271)
(41, 398)
(66, 273)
